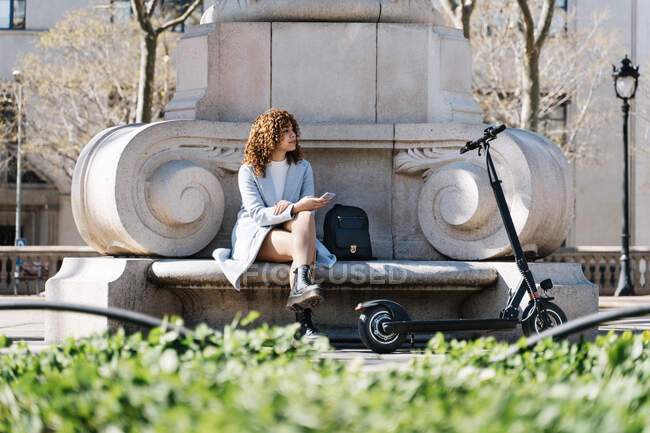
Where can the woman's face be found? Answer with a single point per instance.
(287, 139)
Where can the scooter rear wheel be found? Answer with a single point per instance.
(536, 324)
(372, 332)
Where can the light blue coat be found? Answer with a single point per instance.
(255, 218)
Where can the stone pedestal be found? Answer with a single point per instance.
(382, 92)
(401, 68)
(102, 282)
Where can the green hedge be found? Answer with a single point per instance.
(263, 381)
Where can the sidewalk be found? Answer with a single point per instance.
(22, 324)
(634, 324)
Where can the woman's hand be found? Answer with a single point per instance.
(309, 203)
(281, 206)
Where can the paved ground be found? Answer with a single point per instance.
(635, 324)
(25, 324)
(28, 325)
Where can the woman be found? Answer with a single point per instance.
(276, 220)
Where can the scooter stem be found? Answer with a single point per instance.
(528, 283)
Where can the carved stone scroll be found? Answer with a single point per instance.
(154, 189)
(457, 210)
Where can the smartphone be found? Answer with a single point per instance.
(328, 195)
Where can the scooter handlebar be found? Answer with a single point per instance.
(489, 134)
(493, 131)
(470, 145)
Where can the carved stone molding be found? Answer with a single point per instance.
(385, 11)
(154, 189)
(457, 211)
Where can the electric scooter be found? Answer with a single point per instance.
(384, 324)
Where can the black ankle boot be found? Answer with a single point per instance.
(304, 293)
(307, 328)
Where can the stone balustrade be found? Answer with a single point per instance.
(38, 264)
(601, 266)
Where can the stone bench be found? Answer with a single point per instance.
(393, 274)
(198, 291)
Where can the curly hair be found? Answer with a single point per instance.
(265, 136)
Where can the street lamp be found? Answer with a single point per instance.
(18, 77)
(625, 81)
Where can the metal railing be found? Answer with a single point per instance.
(37, 264)
(601, 266)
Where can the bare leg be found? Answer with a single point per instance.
(303, 231)
(277, 247)
(297, 243)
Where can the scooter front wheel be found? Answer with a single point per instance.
(537, 323)
(372, 332)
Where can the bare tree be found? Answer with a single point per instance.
(80, 80)
(8, 112)
(144, 11)
(459, 13)
(569, 70)
(535, 35)
(8, 125)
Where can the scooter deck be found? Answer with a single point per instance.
(466, 325)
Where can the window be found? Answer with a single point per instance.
(12, 14)
(7, 236)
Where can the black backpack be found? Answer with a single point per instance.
(345, 233)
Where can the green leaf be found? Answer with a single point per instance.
(250, 318)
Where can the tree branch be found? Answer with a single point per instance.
(528, 21)
(459, 12)
(449, 7)
(544, 23)
(466, 15)
(449, 4)
(141, 15)
(191, 8)
(151, 7)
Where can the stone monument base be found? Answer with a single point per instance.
(197, 291)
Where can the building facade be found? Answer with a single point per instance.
(598, 208)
